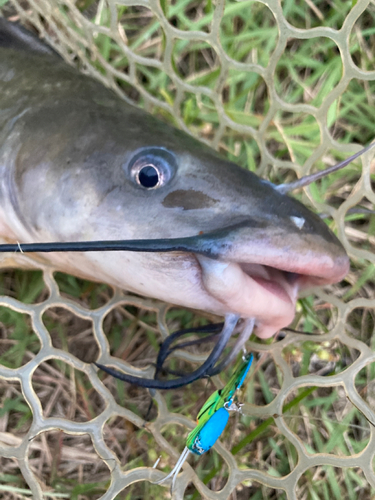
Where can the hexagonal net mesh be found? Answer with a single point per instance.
(278, 88)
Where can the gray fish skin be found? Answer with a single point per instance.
(67, 146)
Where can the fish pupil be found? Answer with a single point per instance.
(148, 176)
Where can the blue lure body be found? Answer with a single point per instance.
(208, 433)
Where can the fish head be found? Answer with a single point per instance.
(84, 165)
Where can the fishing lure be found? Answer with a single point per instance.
(213, 417)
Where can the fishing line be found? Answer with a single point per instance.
(190, 343)
(312, 420)
(282, 334)
(301, 332)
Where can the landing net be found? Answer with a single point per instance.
(282, 89)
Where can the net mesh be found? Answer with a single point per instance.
(203, 67)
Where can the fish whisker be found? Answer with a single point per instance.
(308, 179)
(248, 327)
(165, 351)
(229, 326)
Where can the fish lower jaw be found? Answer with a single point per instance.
(253, 291)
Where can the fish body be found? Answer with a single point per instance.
(78, 163)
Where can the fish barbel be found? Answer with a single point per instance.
(78, 163)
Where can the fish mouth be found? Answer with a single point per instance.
(257, 272)
(283, 284)
(253, 291)
(276, 294)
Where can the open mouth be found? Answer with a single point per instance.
(283, 284)
(254, 291)
(274, 294)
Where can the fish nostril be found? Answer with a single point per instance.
(298, 221)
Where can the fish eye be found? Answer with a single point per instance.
(148, 177)
(152, 168)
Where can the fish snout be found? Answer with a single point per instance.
(258, 271)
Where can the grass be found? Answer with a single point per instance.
(307, 72)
